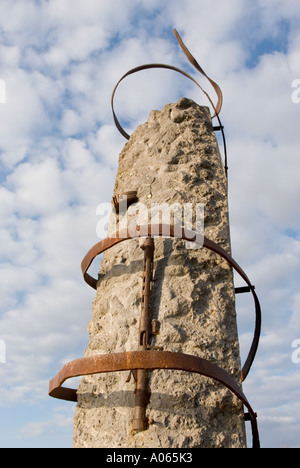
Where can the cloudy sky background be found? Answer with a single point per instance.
(60, 60)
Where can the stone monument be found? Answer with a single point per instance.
(165, 301)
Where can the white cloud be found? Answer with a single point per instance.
(38, 188)
(70, 124)
(10, 55)
(106, 145)
(59, 420)
(23, 116)
(6, 204)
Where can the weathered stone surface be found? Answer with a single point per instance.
(175, 158)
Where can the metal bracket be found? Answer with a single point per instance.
(218, 128)
(123, 201)
(244, 289)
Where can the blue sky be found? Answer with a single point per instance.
(60, 60)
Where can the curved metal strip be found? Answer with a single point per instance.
(147, 67)
(196, 65)
(216, 87)
(165, 230)
(193, 61)
(149, 360)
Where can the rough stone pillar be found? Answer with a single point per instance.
(173, 158)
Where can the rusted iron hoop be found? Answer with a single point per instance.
(149, 360)
(195, 64)
(147, 67)
(159, 230)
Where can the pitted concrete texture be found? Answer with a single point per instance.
(173, 158)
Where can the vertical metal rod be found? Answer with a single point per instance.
(140, 421)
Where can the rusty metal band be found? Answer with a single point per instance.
(149, 360)
(159, 230)
(216, 87)
(195, 64)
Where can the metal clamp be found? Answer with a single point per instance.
(124, 200)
